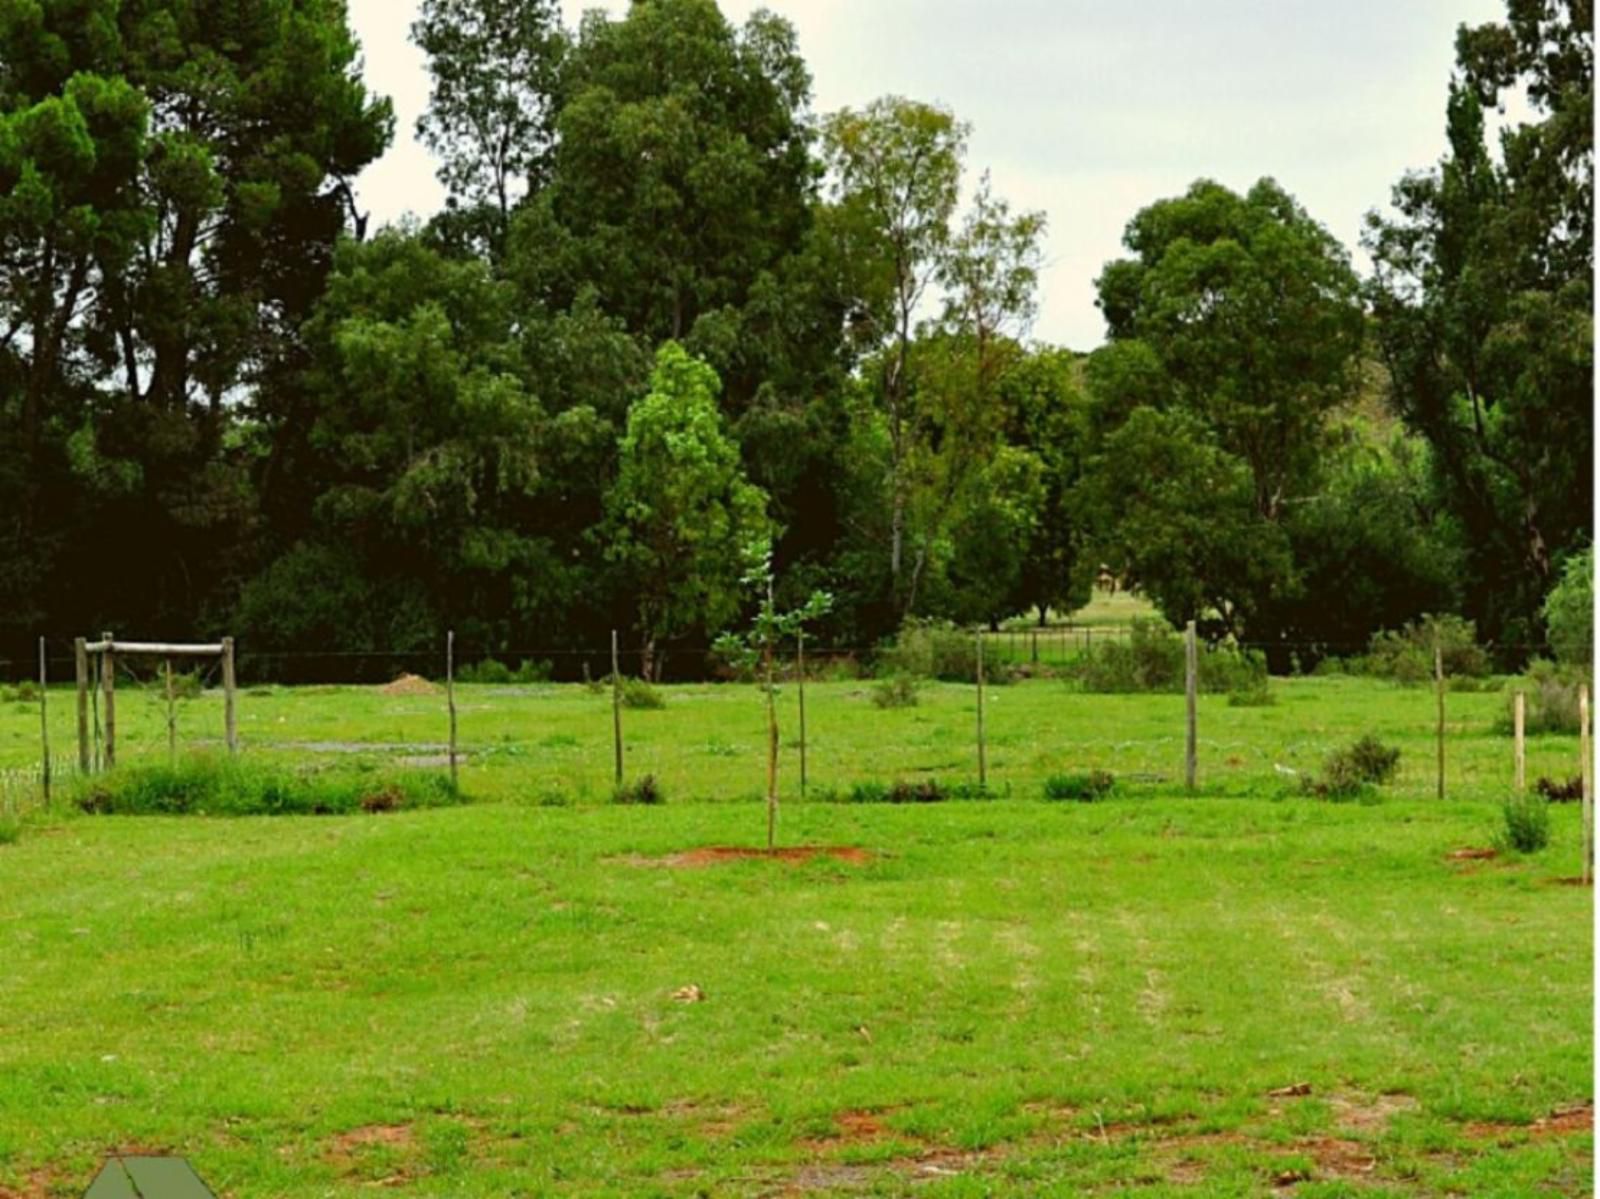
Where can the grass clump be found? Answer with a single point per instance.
(227, 787)
(1352, 771)
(1085, 788)
(25, 692)
(642, 695)
(1256, 694)
(1151, 659)
(10, 829)
(644, 791)
(899, 792)
(1527, 824)
(897, 691)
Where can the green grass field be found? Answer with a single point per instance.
(1008, 997)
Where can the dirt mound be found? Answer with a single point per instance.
(410, 684)
(715, 855)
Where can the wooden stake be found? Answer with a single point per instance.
(1586, 769)
(1519, 727)
(80, 666)
(800, 683)
(108, 681)
(1438, 687)
(616, 704)
(772, 744)
(450, 699)
(983, 757)
(1191, 692)
(172, 719)
(230, 687)
(44, 724)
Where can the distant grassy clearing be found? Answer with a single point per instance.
(537, 743)
(1011, 998)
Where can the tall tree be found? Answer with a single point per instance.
(491, 117)
(895, 168)
(681, 516)
(1483, 290)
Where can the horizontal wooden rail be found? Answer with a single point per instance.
(154, 647)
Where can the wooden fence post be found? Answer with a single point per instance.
(230, 687)
(44, 724)
(983, 759)
(450, 699)
(1519, 727)
(80, 666)
(1586, 770)
(616, 704)
(1191, 691)
(1438, 687)
(172, 720)
(108, 684)
(800, 686)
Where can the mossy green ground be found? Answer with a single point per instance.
(1012, 997)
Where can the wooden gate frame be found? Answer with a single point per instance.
(108, 647)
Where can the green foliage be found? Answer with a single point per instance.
(681, 517)
(640, 695)
(1352, 770)
(931, 649)
(236, 787)
(1527, 824)
(1569, 612)
(644, 791)
(1551, 705)
(1255, 695)
(899, 792)
(10, 829)
(24, 692)
(488, 670)
(1151, 658)
(1086, 788)
(897, 691)
(1407, 655)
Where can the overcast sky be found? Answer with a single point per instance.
(1083, 108)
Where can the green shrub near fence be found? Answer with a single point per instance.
(238, 787)
(1151, 659)
(927, 649)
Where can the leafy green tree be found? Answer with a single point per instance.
(1569, 611)
(491, 118)
(1483, 290)
(896, 172)
(681, 515)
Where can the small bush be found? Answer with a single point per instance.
(644, 791)
(1085, 788)
(491, 671)
(1570, 791)
(898, 691)
(228, 787)
(1552, 703)
(1569, 612)
(637, 693)
(25, 692)
(1406, 655)
(10, 830)
(939, 650)
(1258, 696)
(1151, 659)
(1351, 772)
(900, 791)
(1527, 824)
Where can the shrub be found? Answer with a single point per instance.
(1570, 791)
(1260, 695)
(637, 693)
(10, 829)
(185, 686)
(229, 787)
(1527, 824)
(1086, 788)
(939, 650)
(1151, 658)
(1569, 611)
(1351, 772)
(1552, 703)
(491, 671)
(1406, 655)
(898, 691)
(900, 791)
(641, 791)
(25, 692)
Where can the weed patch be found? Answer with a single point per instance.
(220, 787)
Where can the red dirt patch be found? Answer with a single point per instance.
(852, 1128)
(1471, 855)
(1565, 1121)
(716, 855)
(40, 1184)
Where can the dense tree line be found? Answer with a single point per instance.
(669, 313)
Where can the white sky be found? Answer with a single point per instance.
(1086, 109)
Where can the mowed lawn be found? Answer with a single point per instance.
(1009, 997)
